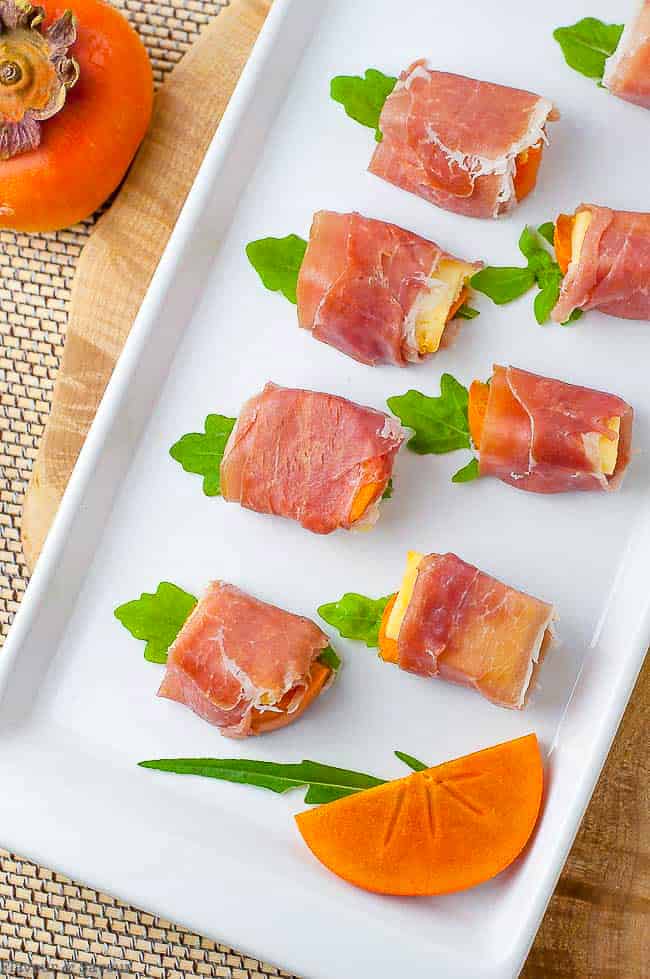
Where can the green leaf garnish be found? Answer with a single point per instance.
(277, 261)
(504, 284)
(575, 315)
(356, 617)
(466, 312)
(440, 424)
(467, 473)
(157, 618)
(329, 658)
(547, 231)
(588, 44)
(550, 283)
(202, 452)
(417, 766)
(324, 783)
(388, 492)
(363, 98)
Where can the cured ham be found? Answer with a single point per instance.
(378, 293)
(627, 72)
(605, 256)
(315, 458)
(452, 621)
(468, 146)
(245, 666)
(547, 436)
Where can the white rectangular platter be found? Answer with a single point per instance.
(78, 708)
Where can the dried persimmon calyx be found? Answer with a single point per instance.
(36, 72)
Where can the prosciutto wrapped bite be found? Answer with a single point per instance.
(547, 436)
(605, 256)
(627, 72)
(378, 293)
(245, 666)
(468, 146)
(452, 621)
(315, 458)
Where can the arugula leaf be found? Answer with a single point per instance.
(502, 285)
(157, 618)
(277, 261)
(363, 98)
(588, 44)
(467, 473)
(547, 231)
(550, 284)
(417, 766)
(356, 617)
(388, 492)
(329, 658)
(440, 424)
(324, 783)
(575, 315)
(202, 452)
(466, 312)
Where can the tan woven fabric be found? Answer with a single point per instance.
(51, 927)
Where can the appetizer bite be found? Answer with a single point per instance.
(627, 71)
(452, 621)
(468, 146)
(605, 258)
(535, 433)
(440, 830)
(315, 458)
(616, 55)
(376, 292)
(242, 665)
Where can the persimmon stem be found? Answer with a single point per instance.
(10, 73)
(36, 71)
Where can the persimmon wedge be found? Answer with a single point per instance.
(437, 831)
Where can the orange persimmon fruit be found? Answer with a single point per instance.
(562, 240)
(479, 393)
(89, 137)
(526, 170)
(440, 830)
(264, 721)
(387, 646)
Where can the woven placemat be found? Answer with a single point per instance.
(49, 926)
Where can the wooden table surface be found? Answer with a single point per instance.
(598, 922)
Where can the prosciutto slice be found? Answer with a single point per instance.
(543, 435)
(237, 656)
(454, 140)
(465, 626)
(310, 456)
(612, 272)
(359, 286)
(627, 72)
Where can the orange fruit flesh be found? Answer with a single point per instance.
(562, 240)
(479, 392)
(463, 297)
(264, 721)
(387, 647)
(366, 495)
(441, 830)
(526, 170)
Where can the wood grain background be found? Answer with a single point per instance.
(598, 922)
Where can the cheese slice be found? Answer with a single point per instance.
(398, 611)
(431, 310)
(609, 447)
(581, 224)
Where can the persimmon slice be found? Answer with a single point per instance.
(479, 394)
(440, 830)
(562, 240)
(526, 170)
